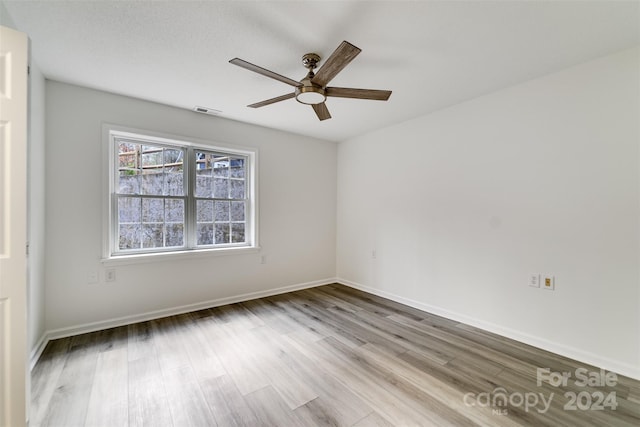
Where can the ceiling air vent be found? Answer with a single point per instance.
(205, 110)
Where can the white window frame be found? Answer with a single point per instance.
(111, 254)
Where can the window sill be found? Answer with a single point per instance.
(176, 256)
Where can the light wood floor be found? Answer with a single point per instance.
(325, 356)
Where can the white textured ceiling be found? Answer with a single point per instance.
(431, 54)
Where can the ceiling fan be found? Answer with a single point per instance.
(312, 89)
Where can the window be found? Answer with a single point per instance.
(167, 196)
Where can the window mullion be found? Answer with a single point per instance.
(190, 206)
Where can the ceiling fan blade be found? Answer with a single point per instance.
(349, 92)
(251, 67)
(335, 63)
(272, 100)
(321, 111)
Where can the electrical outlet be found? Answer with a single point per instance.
(263, 259)
(374, 254)
(534, 280)
(549, 282)
(110, 275)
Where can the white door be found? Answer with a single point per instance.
(13, 227)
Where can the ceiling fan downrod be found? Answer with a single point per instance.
(310, 93)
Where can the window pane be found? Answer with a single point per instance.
(222, 233)
(237, 168)
(128, 155)
(129, 209)
(204, 187)
(174, 222)
(222, 211)
(151, 182)
(174, 184)
(237, 233)
(237, 189)
(220, 166)
(129, 168)
(204, 181)
(129, 181)
(150, 170)
(174, 234)
(153, 210)
(220, 188)
(129, 236)
(173, 172)
(237, 211)
(204, 161)
(151, 157)
(174, 210)
(204, 210)
(152, 235)
(205, 234)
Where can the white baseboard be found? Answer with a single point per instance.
(36, 352)
(542, 343)
(157, 314)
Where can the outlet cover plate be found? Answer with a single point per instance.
(534, 280)
(548, 282)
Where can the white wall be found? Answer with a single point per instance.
(297, 186)
(463, 204)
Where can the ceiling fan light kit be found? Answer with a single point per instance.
(312, 89)
(310, 95)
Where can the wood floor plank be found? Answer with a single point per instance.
(291, 387)
(201, 350)
(302, 311)
(108, 401)
(344, 405)
(186, 401)
(373, 420)
(242, 358)
(309, 326)
(170, 352)
(236, 316)
(465, 343)
(271, 315)
(140, 340)
(112, 339)
(339, 361)
(148, 402)
(436, 400)
(373, 303)
(69, 402)
(227, 405)
(327, 356)
(45, 377)
(347, 328)
(406, 338)
(271, 410)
